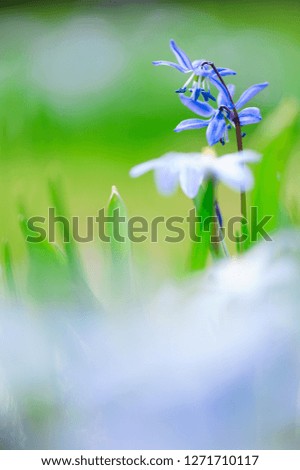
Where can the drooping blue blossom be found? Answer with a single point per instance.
(222, 118)
(197, 68)
(190, 170)
(196, 91)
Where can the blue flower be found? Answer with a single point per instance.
(190, 170)
(222, 118)
(195, 68)
(197, 91)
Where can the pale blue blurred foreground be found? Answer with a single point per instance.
(210, 363)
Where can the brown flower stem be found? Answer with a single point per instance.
(238, 133)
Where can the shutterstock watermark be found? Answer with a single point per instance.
(138, 229)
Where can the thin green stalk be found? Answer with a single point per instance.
(8, 272)
(220, 230)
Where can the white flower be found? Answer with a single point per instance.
(190, 170)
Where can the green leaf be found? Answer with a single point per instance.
(119, 247)
(48, 280)
(84, 295)
(238, 242)
(275, 140)
(9, 272)
(118, 232)
(204, 205)
(58, 200)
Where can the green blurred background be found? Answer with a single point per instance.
(80, 100)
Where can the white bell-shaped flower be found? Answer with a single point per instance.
(190, 170)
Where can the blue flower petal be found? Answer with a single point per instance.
(198, 107)
(181, 56)
(207, 96)
(216, 129)
(222, 89)
(189, 124)
(196, 92)
(224, 72)
(223, 100)
(249, 94)
(249, 116)
(170, 64)
(201, 70)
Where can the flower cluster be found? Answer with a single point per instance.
(221, 119)
(199, 71)
(225, 116)
(191, 170)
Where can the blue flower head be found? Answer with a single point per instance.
(196, 91)
(222, 118)
(197, 69)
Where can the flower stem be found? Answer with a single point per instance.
(220, 229)
(238, 133)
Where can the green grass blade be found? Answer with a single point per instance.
(58, 200)
(9, 272)
(119, 246)
(276, 142)
(84, 294)
(48, 280)
(204, 204)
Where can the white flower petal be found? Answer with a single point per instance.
(189, 168)
(142, 168)
(190, 180)
(248, 156)
(166, 179)
(245, 156)
(235, 175)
